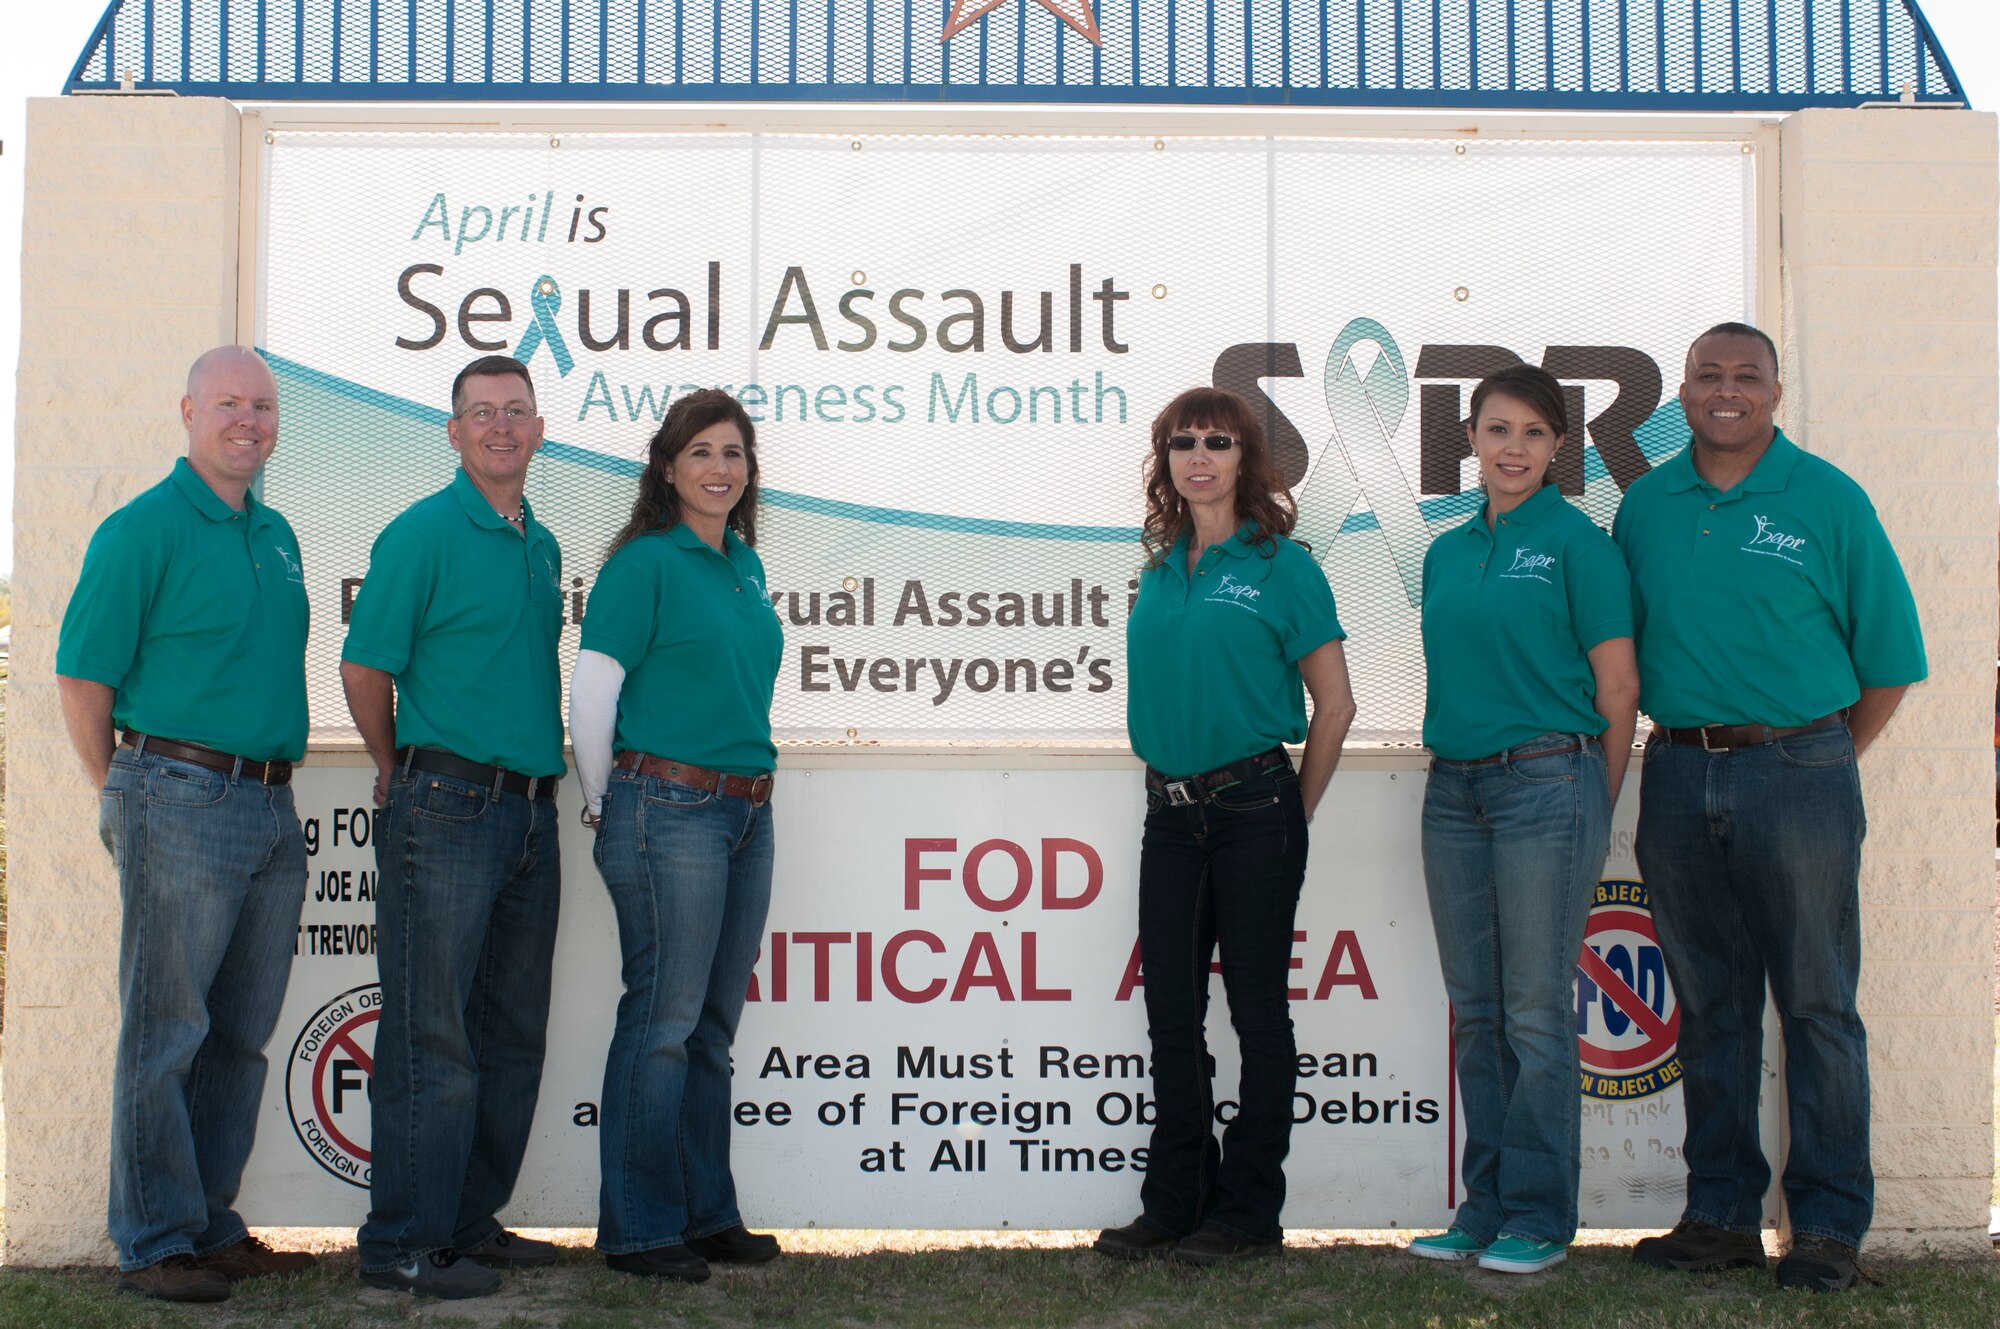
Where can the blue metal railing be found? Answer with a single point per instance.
(1684, 55)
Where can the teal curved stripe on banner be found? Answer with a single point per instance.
(1663, 433)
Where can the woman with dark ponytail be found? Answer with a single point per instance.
(670, 715)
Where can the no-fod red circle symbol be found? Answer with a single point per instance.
(326, 1082)
(1627, 1021)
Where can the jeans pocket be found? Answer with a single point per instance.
(441, 798)
(111, 822)
(1817, 749)
(185, 785)
(1556, 768)
(1255, 794)
(666, 793)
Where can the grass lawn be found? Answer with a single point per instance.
(954, 1279)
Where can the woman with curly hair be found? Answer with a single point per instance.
(679, 656)
(1234, 624)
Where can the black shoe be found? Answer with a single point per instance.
(1695, 1245)
(735, 1245)
(1137, 1240)
(675, 1263)
(1818, 1264)
(1214, 1246)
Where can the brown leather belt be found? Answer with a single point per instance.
(1515, 754)
(755, 788)
(276, 771)
(1726, 737)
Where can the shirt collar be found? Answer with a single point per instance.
(1772, 473)
(481, 511)
(1528, 511)
(205, 500)
(684, 536)
(1239, 545)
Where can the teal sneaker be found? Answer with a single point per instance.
(1522, 1255)
(1452, 1245)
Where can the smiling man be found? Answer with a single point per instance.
(181, 667)
(1776, 635)
(450, 670)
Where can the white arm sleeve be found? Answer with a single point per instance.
(593, 718)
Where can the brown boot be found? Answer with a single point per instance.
(176, 1278)
(251, 1258)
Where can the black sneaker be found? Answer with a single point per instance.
(676, 1264)
(440, 1274)
(1137, 1240)
(1214, 1246)
(1694, 1245)
(735, 1245)
(1818, 1264)
(511, 1250)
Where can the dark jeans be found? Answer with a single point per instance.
(211, 875)
(1753, 858)
(465, 906)
(1226, 870)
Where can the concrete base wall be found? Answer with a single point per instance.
(1888, 221)
(129, 271)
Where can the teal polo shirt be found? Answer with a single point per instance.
(1510, 616)
(466, 615)
(194, 614)
(1774, 603)
(1213, 659)
(700, 643)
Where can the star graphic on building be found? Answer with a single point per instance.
(1076, 13)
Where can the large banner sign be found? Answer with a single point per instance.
(954, 346)
(946, 1025)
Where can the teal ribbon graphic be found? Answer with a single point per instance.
(1358, 462)
(545, 301)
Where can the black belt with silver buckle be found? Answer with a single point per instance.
(275, 771)
(436, 761)
(1729, 737)
(1193, 789)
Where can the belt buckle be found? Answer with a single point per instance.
(1705, 747)
(1180, 793)
(760, 790)
(271, 768)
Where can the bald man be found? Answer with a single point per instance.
(181, 666)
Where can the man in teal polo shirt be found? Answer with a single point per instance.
(1776, 635)
(450, 670)
(187, 632)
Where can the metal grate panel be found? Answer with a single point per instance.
(1678, 55)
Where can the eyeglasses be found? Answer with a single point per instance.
(485, 415)
(1213, 442)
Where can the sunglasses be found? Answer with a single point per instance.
(1213, 442)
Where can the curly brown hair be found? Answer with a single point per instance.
(1262, 500)
(658, 506)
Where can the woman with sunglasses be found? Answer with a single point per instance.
(1527, 624)
(679, 656)
(1234, 624)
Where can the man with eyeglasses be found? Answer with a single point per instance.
(450, 671)
(181, 667)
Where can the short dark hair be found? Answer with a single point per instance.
(490, 366)
(1532, 386)
(1739, 330)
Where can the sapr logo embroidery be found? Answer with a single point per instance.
(326, 1082)
(1774, 543)
(1239, 593)
(293, 571)
(1529, 566)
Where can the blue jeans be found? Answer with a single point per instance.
(690, 877)
(1512, 852)
(465, 906)
(1228, 868)
(211, 875)
(1753, 859)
